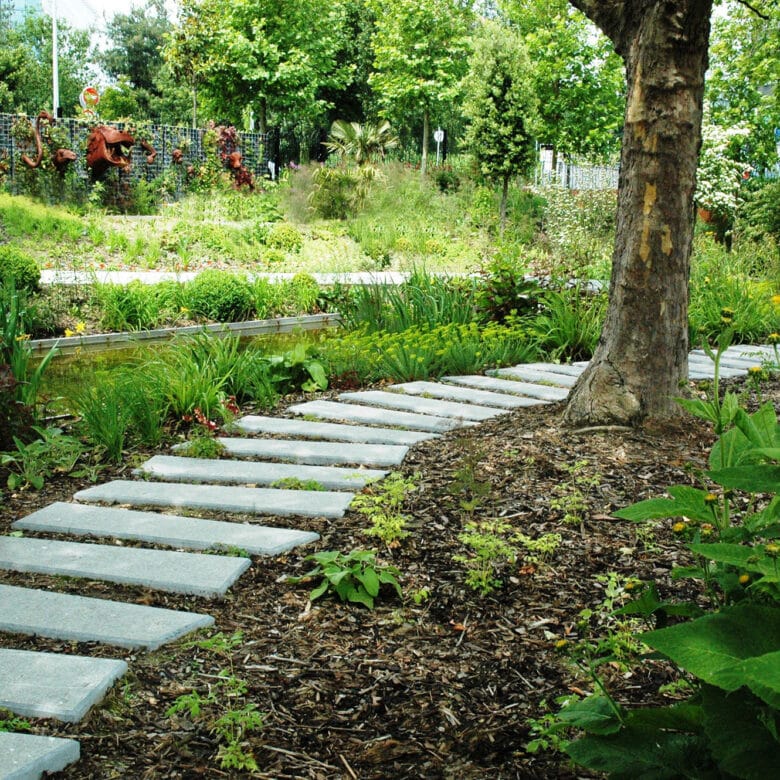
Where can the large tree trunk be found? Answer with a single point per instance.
(642, 356)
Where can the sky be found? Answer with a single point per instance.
(91, 13)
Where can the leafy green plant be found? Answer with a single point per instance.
(284, 236)
(225, 708)
(52, 452)
(355, 577)
(293, 483)
(18, 270)
(381, 503)
(10, 722)
(490, 549)
(504, 288)
(570, 323)
(570, 496)
(219, 296)
(729, 726)
(203, 446)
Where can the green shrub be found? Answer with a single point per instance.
(273, 256)
(220, 296)
(284, 236)
(504, 288)
(18, 269)
(570, 323)
(761, 213)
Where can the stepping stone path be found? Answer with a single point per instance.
(341, 445)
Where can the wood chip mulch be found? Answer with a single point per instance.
(444, 685)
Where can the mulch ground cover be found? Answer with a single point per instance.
(444, 683)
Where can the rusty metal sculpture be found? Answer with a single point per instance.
(61, 158)
(151, 152)
(177, 156)
(241, 175)
(108, 147)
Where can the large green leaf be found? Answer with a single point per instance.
(749, 559)
(594, 714)
(637, 753)
(751, 479)
(740, 740)
(737, 646)
(685, 502)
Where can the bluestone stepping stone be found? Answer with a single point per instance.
(465, 394)
(542, 392)
(219, 498)
(308, 429)
(177, 572)
(331, 410)
(727, 359)
(172, 530)
(242, 472)
(313, 453)
(418, 405)
(28, 756)
(701, 364)
(570, 369)
(64, 616)
(535, 375)
(49, 685)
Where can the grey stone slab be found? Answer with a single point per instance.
(29, 756)
(535, 375)
(219, 498)
(730, 359)
(465, 394)
(418, 405)
(308, 429)
(569, 369)
(172, 530)
(331, 410)
(497, 385)
(703, 365)
(242, 472)
(49, 685)
(312, 453)
(65, 616)
(752, 350)
(177, 572)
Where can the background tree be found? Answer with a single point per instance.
(578, 78)
(501, 106)
(135, 56)
(420, 58)
(16, 61)
(642, 356)
(743, 83)
(263, 55)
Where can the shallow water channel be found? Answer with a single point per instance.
(67, 375)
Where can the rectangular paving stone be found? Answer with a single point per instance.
(535, 375)
(28, 756)
(465, 394)
(219, 498)
(242, 472)
(732, 360)
(172, 530)
(418, 405)
(50, 685)
(65, 616)
(177, 572)
(312, 453)
(701, 364)
(497, 385)
(309, 429)
(569, 369)
(331, 410)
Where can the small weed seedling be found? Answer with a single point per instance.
(204, 446)
(571, 498)
(225, 708)
(355, 577)
(9, 722)
(293, 483)
(490, 548)
(381, 503)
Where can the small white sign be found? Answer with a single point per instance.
(438, 136)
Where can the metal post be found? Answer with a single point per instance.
(55, 69)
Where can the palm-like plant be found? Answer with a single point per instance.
(364, 143)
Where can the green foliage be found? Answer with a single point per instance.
(340, 192)
(500, 105)
(762, 211)
(18, 270)
(10, 722)
(356, 577)
(284, 236)
(363, 144)
(490, 549)
(51, 452)
(505, 290)
(220, 296)
(729, 726)
(24, 218)
(225, 708)
(381, 503)
(421, 353)
(570, 323)
(203, 446)
(293, 483)
(137, 306)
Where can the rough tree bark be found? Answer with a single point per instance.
(642, 355)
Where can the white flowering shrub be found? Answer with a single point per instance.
(721, 173)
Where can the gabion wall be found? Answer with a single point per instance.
(257, 150)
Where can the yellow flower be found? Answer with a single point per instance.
(23, 337)
(80, 327)
(776, 300)
(678, 528)
(773, 338)
(560, 644)
(710, 498)
(69, 332)
(744, 579)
